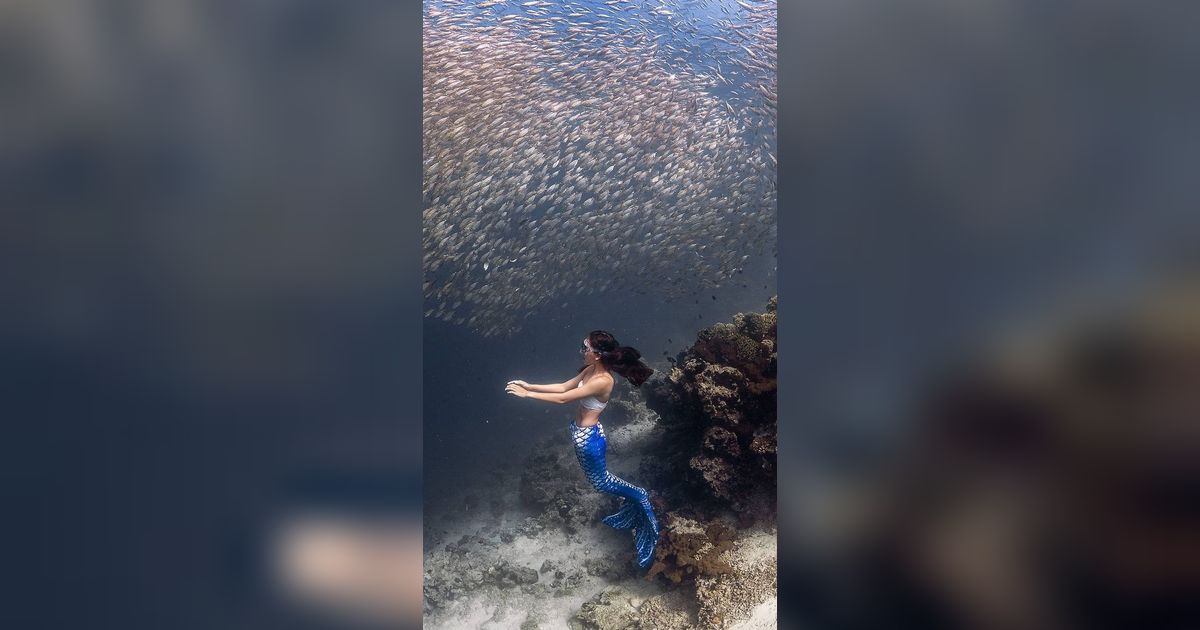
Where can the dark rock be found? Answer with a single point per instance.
(610, 569)
(507, 575)
(526, 575)
(608, 610)
(721, 440)
(720, 475)
(573, 581)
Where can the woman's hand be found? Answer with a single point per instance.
(516, 390)
(521, 383)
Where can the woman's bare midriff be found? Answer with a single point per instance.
(586, 418)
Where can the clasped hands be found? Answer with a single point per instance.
(517, 388)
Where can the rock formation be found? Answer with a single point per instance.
(718, 403)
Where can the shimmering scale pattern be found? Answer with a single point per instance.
(636, 513)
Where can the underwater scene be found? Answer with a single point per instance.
(599, 185)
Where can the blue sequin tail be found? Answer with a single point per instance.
(647, 534)
(626, 517)
(636, 512)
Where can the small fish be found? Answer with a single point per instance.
(557, 128)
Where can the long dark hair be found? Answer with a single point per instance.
(623, 360)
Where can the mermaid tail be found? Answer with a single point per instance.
(626, 517)
(647, 534)
(640, 516)
(646, 541)
(636, 512)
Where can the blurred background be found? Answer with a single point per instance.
(209, 313)
(210, 320)
(987, 314)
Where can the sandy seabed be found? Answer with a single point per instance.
(487, 568)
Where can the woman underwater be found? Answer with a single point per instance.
(592, 387)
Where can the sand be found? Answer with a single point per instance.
(596, 546)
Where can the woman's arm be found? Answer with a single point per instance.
(549, 389)
(555, 388)
(591, 388)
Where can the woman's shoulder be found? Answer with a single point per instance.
(589, 373)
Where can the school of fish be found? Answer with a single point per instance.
(575, 147)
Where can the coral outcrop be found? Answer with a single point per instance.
(690, 549)
(718, 402)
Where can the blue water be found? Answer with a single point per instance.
(471, 424)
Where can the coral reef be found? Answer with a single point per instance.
(718, 402)
(690, 549)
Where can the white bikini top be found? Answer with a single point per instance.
(591, 402)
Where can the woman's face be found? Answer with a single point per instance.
(589, 356)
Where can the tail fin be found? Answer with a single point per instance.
(626, 517)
